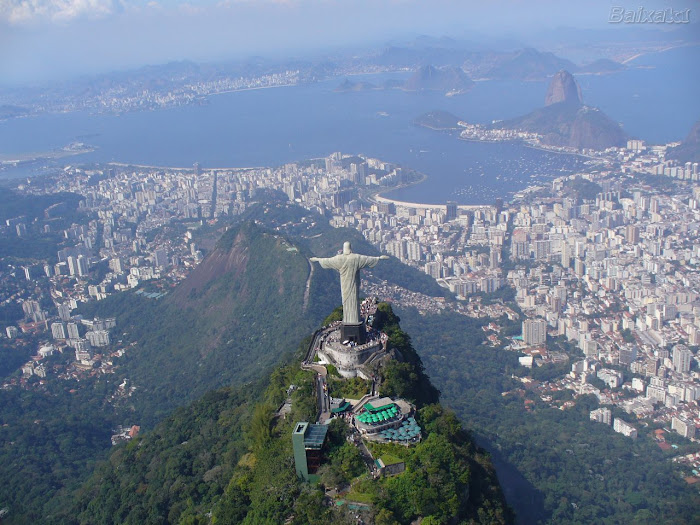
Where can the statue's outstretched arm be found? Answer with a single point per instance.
(331, 262)
(371, 261)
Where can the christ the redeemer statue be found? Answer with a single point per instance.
(349, 265)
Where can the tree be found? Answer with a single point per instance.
(385, 517)
(261, 426)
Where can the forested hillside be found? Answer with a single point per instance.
(230, 320)
(556, 466)
(40, 216)
(227, 456)
(239, 311)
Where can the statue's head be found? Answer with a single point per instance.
(347, 248)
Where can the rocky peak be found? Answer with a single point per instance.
(563, 88)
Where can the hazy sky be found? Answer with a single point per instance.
(42, 39)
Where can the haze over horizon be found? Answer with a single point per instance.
(43, 40)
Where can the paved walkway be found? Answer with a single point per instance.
(323, 401)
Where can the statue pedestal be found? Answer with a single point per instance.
(354, 332)
(349, 359)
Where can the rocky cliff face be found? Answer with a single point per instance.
(563, 88)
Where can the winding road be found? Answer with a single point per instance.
(307, 290)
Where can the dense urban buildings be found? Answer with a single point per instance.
(603, 263)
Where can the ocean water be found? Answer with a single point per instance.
(269, 127)
(656, 99)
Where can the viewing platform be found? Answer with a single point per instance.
(387, 420)
(349, 357)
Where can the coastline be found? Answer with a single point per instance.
(250, 89)
(181, 168)
(374, 197)
(662, 50)
(527, 145)
(378, 197)
(420, 206)
(456, 132)
(9, 158)
(190, 168)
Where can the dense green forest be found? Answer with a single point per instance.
(556, 466)
(219, 326)
(229, 457)
(227, 324)
(36, 243)
(181, 466)
(13, 204)
(230, 321)
(50, 439)
(10, 313)
(403, 377)
(12, 357)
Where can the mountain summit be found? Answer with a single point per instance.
(563, 88)
(566, 121)
(229, 457)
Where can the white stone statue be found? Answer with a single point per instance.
(349, 265)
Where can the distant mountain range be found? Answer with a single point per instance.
(527, 64)
(522, 64)
(439, 64)
(566, 121)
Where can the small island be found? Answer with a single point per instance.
(349, 86)
(451, 80)
(438, 120)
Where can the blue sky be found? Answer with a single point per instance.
(44, 39)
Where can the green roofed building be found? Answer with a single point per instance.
(307, 442)
(343, 407)
(387, 420)
(382, 404)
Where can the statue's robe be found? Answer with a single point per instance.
(349, 266)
